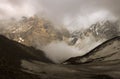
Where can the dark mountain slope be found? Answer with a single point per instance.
(12, 50)
(11, 54)
(20, 62)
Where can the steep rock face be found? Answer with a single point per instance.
(96, 34)
(100, 30)
(108, 51)
(31, 31)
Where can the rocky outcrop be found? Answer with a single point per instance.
(32, 31)
(96, 34)
(99, 30)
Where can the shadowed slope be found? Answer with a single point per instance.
(12, 50)
(20, 62)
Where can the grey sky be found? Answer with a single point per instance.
(57, 10)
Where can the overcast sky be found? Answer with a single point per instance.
(61, 11)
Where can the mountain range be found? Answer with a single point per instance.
(19, 58)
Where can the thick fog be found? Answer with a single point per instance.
(71, 14)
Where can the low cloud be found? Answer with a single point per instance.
(71, 14)
(60, 51)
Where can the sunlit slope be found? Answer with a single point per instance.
(32, 31)
(108, 51)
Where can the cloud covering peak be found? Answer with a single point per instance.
(61, 12)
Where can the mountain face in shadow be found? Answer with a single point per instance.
(13, 50)
(11, 55)
(21, 62)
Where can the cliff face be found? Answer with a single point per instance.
(96, 34)
(98, 31)
(31, 31)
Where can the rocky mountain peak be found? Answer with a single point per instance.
(29, 30)
(99, 30)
